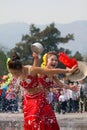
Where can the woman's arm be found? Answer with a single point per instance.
(63, 85)
(60, 84)
(36, 59)
(45, 71)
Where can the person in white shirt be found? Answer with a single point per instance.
(62, 101)
(83, 98)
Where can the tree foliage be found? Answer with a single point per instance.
(78, 56)
(85, 57)
(3, 67)
(50, 38)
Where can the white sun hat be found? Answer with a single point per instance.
(80, 74)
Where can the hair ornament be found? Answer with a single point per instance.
(44, 63)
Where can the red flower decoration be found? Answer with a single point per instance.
(66, 60)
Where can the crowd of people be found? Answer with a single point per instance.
(68, 101)
(41, 91)
(61, 100)
(9, 95)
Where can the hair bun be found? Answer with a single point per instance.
(15, 56)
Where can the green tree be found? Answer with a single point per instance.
(24, 51)
(78, 56)
(85, 57)
(50, 38)
(3, 67)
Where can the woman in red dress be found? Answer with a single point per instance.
(50, 61)
(38, 114)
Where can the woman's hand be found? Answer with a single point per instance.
(73, 69)
(36, 59)
(35, 55)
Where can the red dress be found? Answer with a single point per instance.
(46, 82)
(38, 114)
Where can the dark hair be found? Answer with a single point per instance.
(15, 56)
(15, 62)
(17, 65)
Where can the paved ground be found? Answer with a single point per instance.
(72, 119)
(60, 117)
(67, 121)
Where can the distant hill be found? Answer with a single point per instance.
(79, 29)
(11, 33)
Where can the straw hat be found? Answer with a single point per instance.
(80, 74)
(37, 47)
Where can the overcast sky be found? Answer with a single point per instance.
(42, 11)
